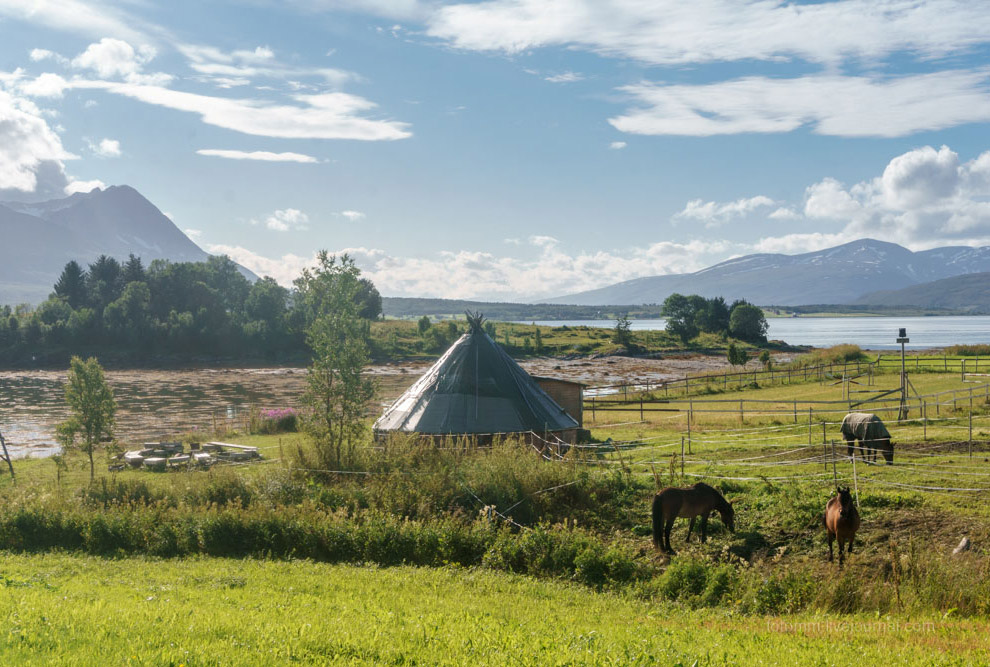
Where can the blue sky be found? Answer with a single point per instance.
(508, 149)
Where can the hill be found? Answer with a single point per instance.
(39, 238)
(970, 293)
(403, 307)
(835, 275)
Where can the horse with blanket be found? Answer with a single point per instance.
(871, 434)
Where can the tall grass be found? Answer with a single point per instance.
(837, 354)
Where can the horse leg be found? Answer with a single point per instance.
(851, 538)
(666, 533)
(690, 528)
(842, 545)
(704, 526)
(831, 538)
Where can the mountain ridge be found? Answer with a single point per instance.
(840, 274)
(40, 237)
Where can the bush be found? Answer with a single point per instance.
(837, 354)
(272, 421)
(969, 350)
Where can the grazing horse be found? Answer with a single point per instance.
(870, 432)
(841, 521)
(698, 500)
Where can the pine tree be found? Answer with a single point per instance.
(71, 285)
(133, 271)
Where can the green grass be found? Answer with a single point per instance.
(63, 609)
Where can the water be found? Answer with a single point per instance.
(874, 333)
(151, 405)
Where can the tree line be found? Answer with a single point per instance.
(174, 308)
(688, 316)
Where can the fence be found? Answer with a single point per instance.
(683, 385)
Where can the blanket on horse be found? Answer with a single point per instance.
(864, 427)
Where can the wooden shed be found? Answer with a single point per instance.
(568, 394)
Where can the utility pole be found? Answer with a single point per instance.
(902, 409)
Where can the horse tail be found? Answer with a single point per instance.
(658, 522)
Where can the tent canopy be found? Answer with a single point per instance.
(474, 388)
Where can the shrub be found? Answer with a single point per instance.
(272, 421)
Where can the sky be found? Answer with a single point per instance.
(508, 149)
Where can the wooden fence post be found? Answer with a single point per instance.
(809, 426)
(682, 457)
(742, 420)
(971, 434)
(924, 417)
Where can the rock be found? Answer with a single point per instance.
(963, 546)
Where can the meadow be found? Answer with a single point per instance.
(449, 554)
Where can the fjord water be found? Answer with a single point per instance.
(874, 333)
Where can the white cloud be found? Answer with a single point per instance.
(617, 145)
(239, 67)
(924, 198)
(111, 58)
(84, 186)
(468, 274)
(31, 153)
(829, 199)
(564, 77)
(264, 156)
(106, 148)
(668, 32)
(283, 220)
(45, 85)
(792, 244)
(90, 17)
(353, 216)
(38, 55)
(194, 234)
(784, 213)
(322, 116)
(713, 213)
(833, 105)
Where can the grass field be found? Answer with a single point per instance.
(62, 609)
(416, 554)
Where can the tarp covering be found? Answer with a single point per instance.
(475, 387)
(864, 427)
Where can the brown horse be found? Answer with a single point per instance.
(841, 521)
(694, 501)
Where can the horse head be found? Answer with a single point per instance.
(728, 515)
(845, 502)
(887, 449)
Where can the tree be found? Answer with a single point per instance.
(747, 322)
(71, 285)
(133, 271)
(714, 317)
(490, 329)
(369, 300)
(266, 301)
(92, 409)
(681, 317)
(104, 282)
(538, 341)
(737, 356)
(337, 391)
(622, 334)
(423, 324)
(765, 359)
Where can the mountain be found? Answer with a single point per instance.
(835, 275)
(969, 292)
(39, 238)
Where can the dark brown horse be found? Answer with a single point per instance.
(694, 501)
(841, 521)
